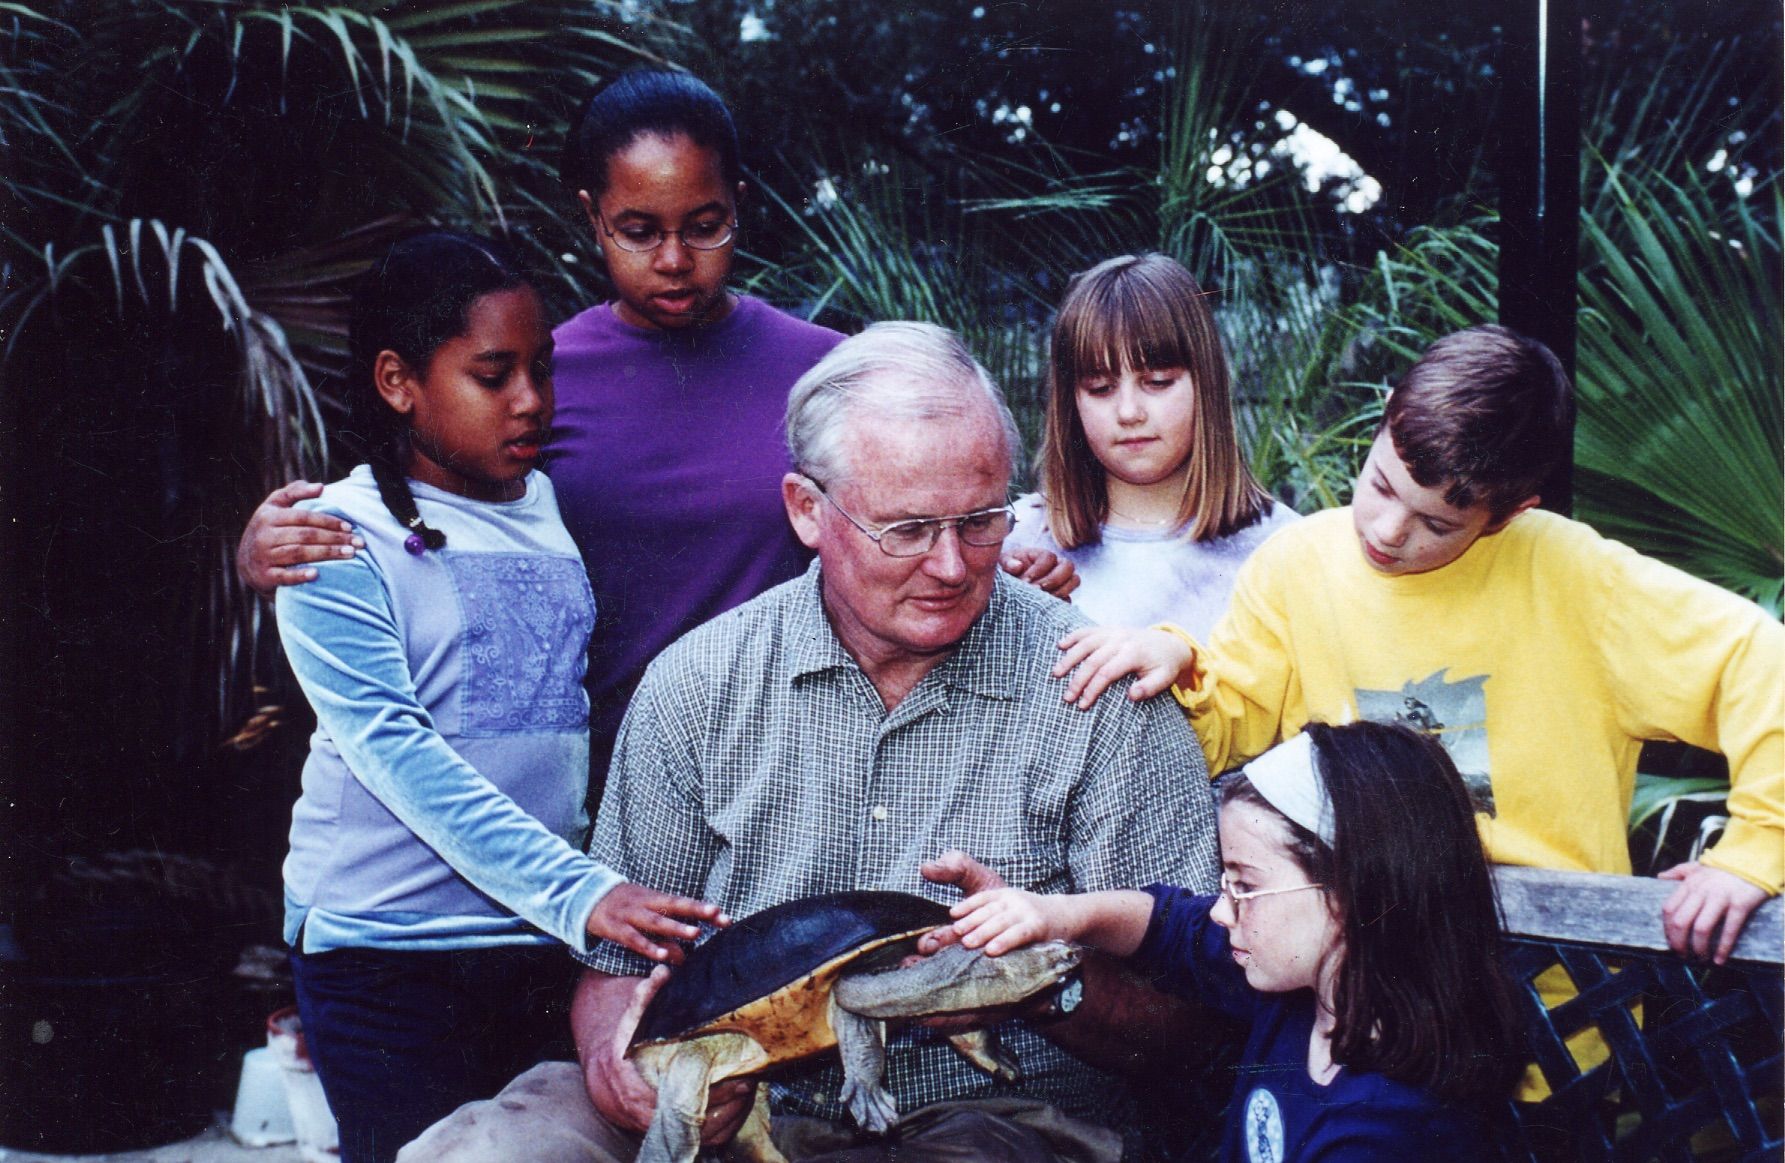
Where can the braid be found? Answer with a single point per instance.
(393, 486)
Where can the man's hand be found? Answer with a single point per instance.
(965, 873)
(1045, 570)
(1104, 654)
(616, 1087)
(604, 1014)
(1708, 900)
(280, 542)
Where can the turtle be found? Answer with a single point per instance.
(808, 976)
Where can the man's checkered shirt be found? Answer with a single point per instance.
(757, 765)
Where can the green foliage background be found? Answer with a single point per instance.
(189, 185)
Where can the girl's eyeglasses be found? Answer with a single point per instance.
(700, 236)
(1234, 896)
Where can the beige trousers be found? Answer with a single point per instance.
(545, 1116)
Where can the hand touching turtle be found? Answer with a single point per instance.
(631, 914)
(810, 976)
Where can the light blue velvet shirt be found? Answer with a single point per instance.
(442, 803)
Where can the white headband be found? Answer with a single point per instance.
(1288, 780)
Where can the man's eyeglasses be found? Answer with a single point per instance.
(917, 537)
(700, 236)
(1235, 897)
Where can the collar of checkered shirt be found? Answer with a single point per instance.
(985, 663)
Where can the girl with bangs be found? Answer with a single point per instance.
(1144, 489)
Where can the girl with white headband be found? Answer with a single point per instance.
(1355, 934)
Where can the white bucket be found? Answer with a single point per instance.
(318, 1139)
(262, 1114)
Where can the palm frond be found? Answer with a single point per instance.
(210, 174)
(885, 245)
(140, 276)
(1678, 449)
(1657, 802)
(153, 280)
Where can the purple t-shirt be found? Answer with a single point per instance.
(667, 456)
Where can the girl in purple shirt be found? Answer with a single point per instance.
(667, 453)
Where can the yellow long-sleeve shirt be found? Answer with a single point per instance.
(1543, 657)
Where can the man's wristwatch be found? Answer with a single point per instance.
(1063, 999)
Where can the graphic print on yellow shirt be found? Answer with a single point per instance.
(1455, 712)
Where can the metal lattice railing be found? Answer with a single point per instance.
(1695, 1068)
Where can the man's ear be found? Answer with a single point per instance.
(802, 501)
(394, 381)
(1529, 502)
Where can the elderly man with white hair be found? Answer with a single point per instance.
(861, 727)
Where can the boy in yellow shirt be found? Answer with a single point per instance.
(1540, 653)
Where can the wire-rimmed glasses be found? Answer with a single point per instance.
(916, 537)
(1236, 897)
(638, 239)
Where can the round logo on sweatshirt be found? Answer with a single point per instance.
(1264, 1128)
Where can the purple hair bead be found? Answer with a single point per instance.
(414, 544)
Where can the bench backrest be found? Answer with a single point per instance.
(1698, 1071)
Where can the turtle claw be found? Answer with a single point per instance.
(862, 1044)
(871, 1106)
(980, 1047)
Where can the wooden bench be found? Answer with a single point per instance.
(1698, 1076)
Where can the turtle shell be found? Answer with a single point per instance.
(799, 946)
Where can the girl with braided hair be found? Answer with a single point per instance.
(435, 869)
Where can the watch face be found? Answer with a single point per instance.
(1071, 994)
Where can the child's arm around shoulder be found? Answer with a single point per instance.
(283, 540)
(1095, 657)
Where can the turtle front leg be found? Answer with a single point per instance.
(682, 1084)
(683, 1073)
(862, 1043)
(753, 1143)
(981, 1048)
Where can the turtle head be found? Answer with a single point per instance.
(1033, 968)
(1009, 977)
(958, 978)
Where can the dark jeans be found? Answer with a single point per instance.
(401, 1039)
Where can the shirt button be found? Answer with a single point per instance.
(879, 812)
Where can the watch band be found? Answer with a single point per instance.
(1063, 998)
